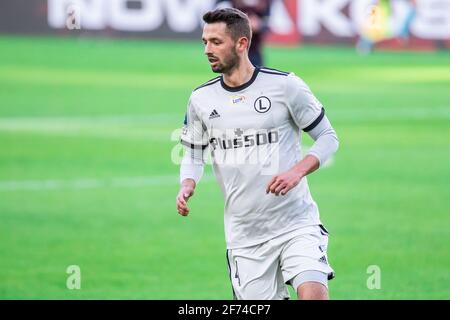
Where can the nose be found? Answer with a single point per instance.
(208, 49)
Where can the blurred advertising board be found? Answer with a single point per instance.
(427, 22)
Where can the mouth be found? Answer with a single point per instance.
(213, 60)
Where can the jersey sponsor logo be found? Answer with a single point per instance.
(241, 149)
(244, 141)
(214, 114)
(237, 99)
(262, 104)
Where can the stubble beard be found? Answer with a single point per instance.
(230, 63)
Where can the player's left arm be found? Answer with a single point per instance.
(325, 145)
(309, 115)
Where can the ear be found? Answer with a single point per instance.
(242, 44)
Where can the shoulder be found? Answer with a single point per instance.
(285, 80)
(287, 76)
(207, 84)
(295, 82)
(275, 76)
(200, 95)
(274, 72)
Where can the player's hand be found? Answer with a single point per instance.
(186, 191)
(283, 182)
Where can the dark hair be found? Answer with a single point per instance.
(237, 22)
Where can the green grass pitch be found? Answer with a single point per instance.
(86, 176)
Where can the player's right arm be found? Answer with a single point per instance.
(193, 139)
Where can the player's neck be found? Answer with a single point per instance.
(239, 75)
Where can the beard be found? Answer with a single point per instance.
(229, 63)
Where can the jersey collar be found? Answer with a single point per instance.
(242, 86)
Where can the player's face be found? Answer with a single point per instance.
(220, 48)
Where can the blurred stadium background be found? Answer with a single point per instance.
(92, 93)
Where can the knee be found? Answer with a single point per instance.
(312, 291)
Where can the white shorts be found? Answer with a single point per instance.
(261, 272)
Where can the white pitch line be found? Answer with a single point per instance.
(93, 119)
(94, 183)
(146, 127)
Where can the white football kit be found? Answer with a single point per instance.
(253, 132)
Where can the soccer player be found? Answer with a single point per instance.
(250, 119)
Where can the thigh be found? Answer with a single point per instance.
(306, 252)
(255, 273)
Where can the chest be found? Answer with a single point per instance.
(256, 109)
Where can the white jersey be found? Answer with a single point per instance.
(254, 132)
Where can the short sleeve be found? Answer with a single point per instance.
(193, 134)
(304, 107)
